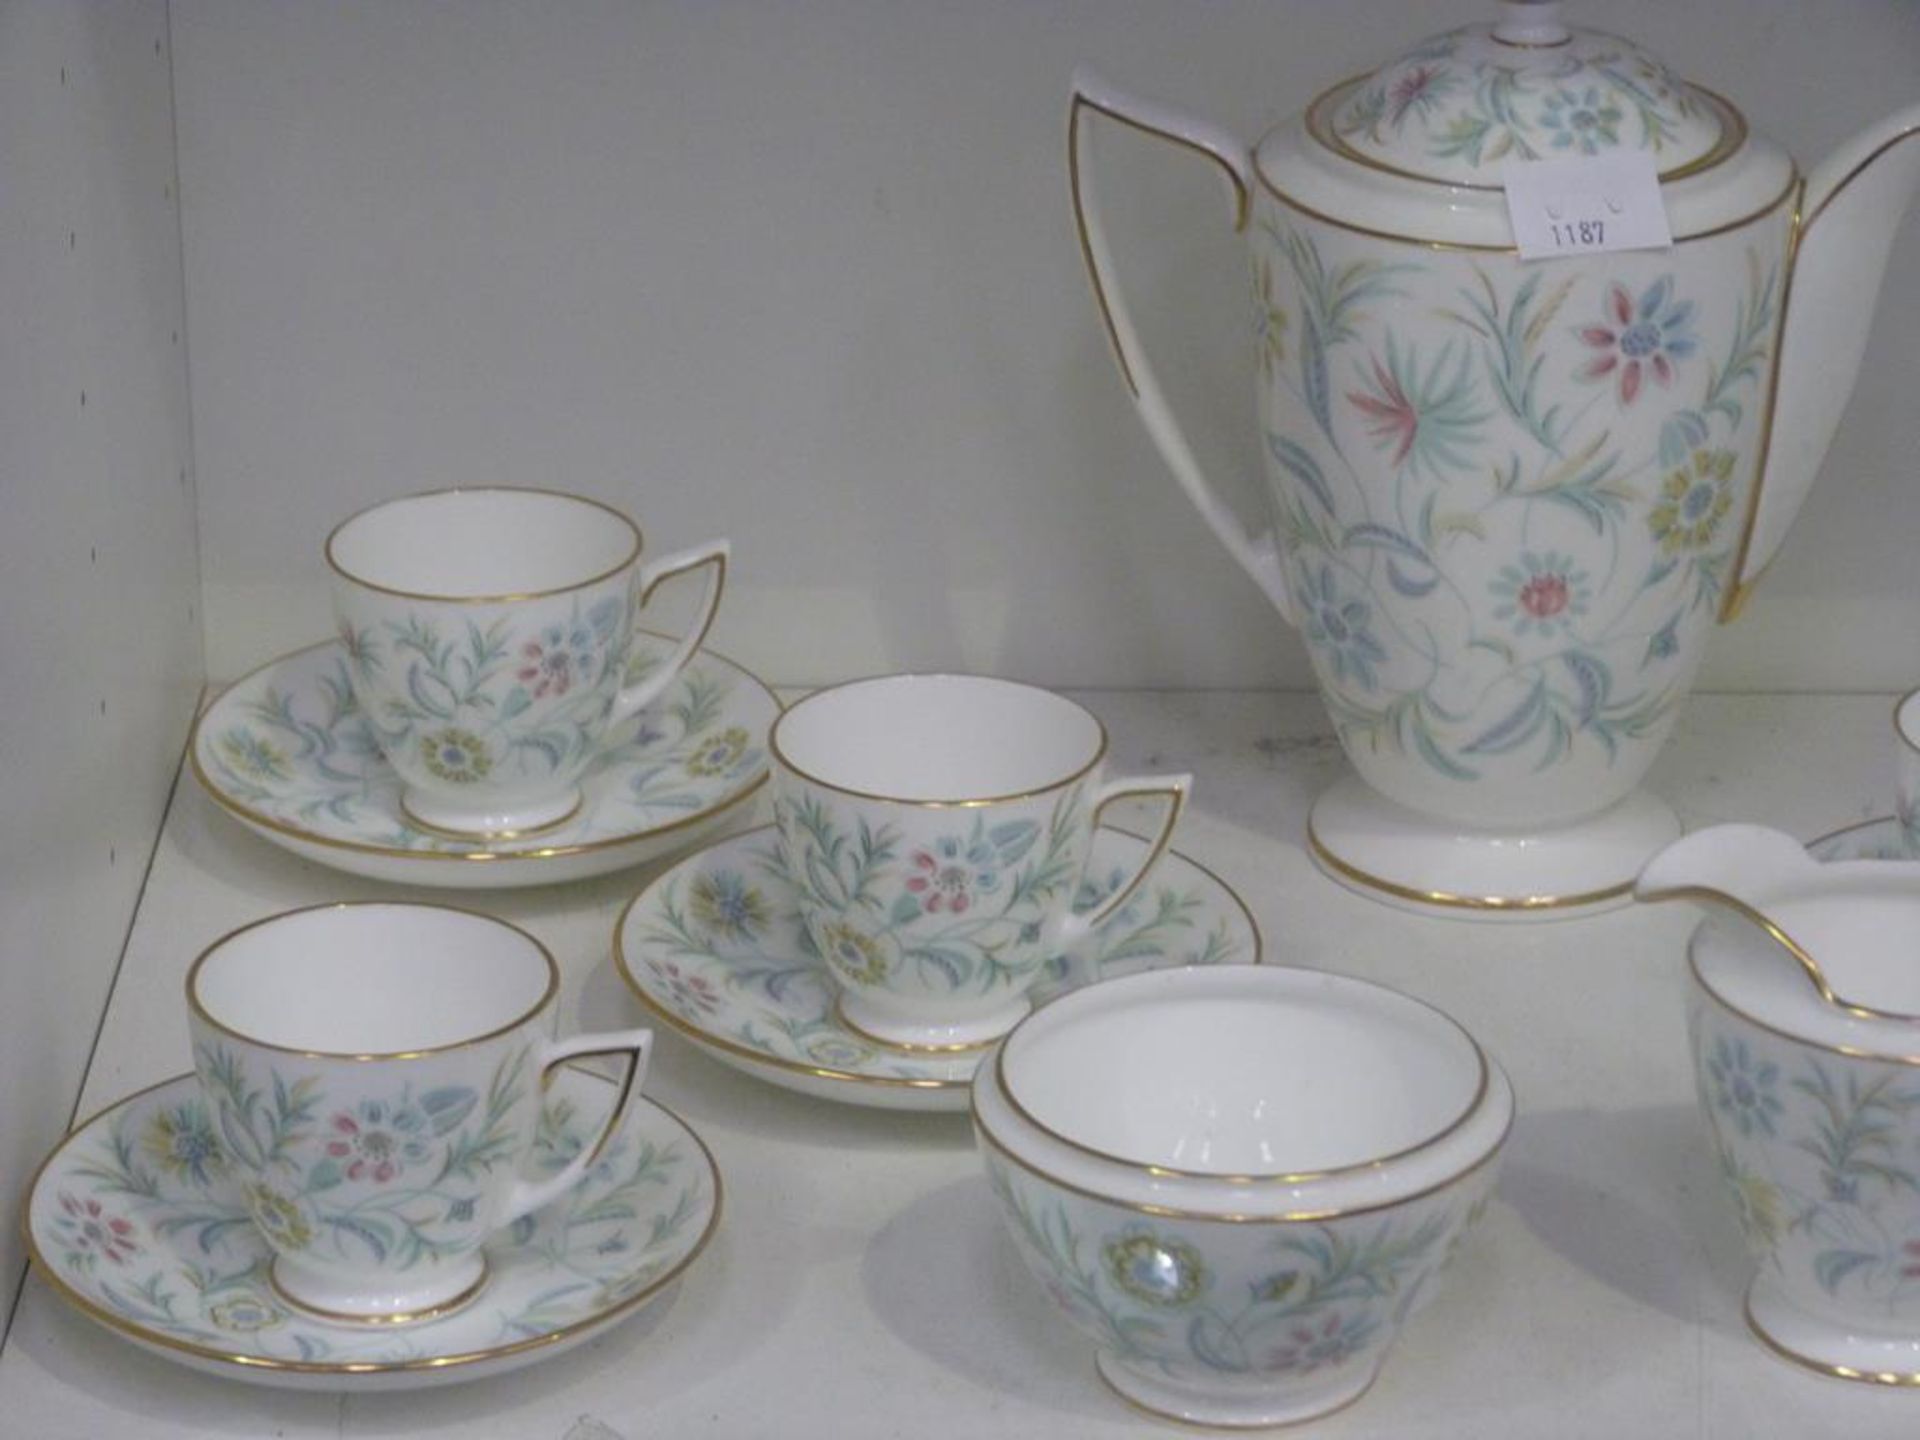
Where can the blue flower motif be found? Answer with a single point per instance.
(1337, 626)
(1742, 1086)
(1587, 121)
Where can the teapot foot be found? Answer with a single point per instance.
(1846, 1352)
(1417, 862)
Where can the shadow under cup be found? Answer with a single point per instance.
(374, 1074)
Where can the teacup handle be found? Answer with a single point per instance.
(1174, 788)
(526, 1196)
(635, 698)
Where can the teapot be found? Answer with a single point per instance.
(1507, 498)
(1804, 1020)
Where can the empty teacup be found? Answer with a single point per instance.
(936, 829)
(488, 634)
(374, 1073)
(1239, 1180)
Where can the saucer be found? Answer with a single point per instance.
(715, 948)
(288, 752)
(134, 1221)
(1881, 838)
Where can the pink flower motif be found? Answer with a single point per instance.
(1642, 338)
(940, 887)
(1544, 596)
(691, 992)
(1391, 416)
(558, 660)
(379, 1140)
(95, 1232)
(1332, 1342)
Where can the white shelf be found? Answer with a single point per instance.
(859, 1284)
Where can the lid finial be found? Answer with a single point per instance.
(1530, 22)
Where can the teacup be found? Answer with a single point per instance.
(1906, 729)
(936, 829)
(1239, 1181)
(374, 1073)
(488, 633)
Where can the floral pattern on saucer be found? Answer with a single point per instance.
(137, 1221)
(1884, 838)
(716, 948)
(289, 751)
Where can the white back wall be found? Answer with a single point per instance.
(100, 641)
(805, 273)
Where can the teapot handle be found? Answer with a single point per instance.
(1258, 554)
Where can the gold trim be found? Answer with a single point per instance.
(1529, 44)
(1301, 1177)
(1176, 798)
(352, 1317)
(635, 1056)
(1167, 1417)
(1740, 587)
(199, 1011)
(932, 1052)
(1897, 1378)
(1169, 1212)
(115, 1321)
(1732, 136)
(333, 563)
(447, 832)
(1707, 894)
(718, 560)
(551, 852)
(1856, 825)
(1526, 904)
(707, 1040)
(1851, 1052)
(1899, 731)
(1465, 247)
(1854, 173)
(977, 802)
(1243, 206)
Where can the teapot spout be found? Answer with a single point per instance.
(1849, 211)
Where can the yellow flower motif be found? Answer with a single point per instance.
(278, 1217)
(456, 755)
(1694, 499)
(245, 1314)
(1269, 321)
(179, 1139)
(252, 756)
(857, 956)
(719, 753)
(1756, 1202)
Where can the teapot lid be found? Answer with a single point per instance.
(1526, 84)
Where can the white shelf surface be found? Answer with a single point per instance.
(859, 1284)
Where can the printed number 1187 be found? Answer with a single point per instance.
(1579, 234)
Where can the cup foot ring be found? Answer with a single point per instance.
(1819, 1345)
(415, 1309)
(1234, 1404)
(960, 1039)
(491, 827)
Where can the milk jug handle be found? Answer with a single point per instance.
(1258, 554)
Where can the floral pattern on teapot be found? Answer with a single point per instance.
(1818, 1154)
(1509, 498)
(1464, 103)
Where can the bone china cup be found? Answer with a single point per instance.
(488, 632)
(1239, 1181)
(374, 1074)
(937, 830)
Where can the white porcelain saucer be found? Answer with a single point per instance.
(1881, 838)
(134, 1220)
(715, 948)
(288, 752)
(1413, 862)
